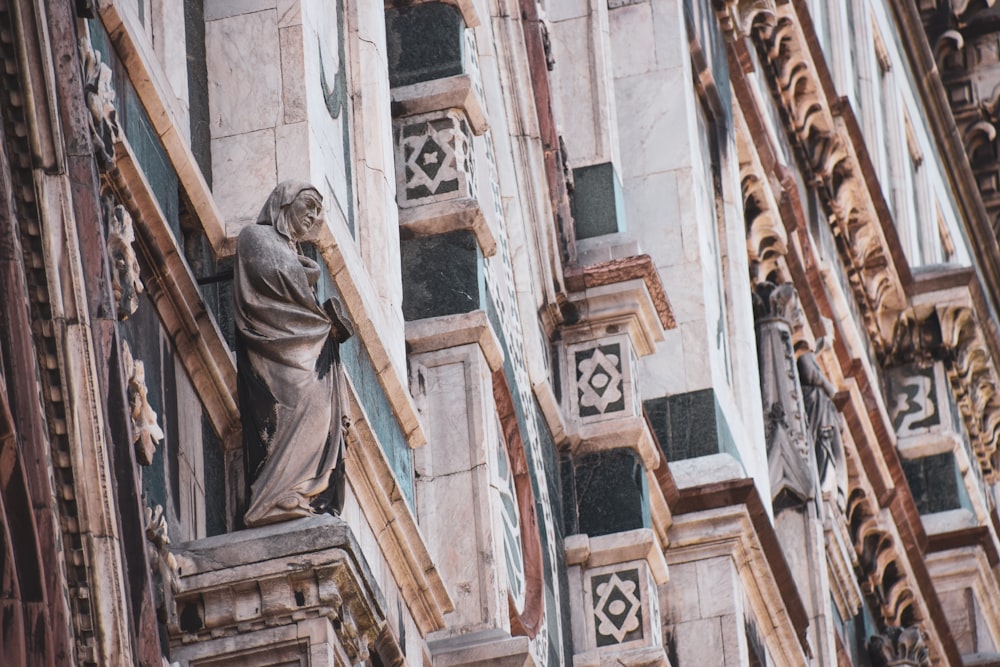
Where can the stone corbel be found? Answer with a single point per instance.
(613, 590)
(125, 281)
(146, 433)
(275, 594)
(101, 100)
(615, 322)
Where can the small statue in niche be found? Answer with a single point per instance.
(288, 363)
(824, 427)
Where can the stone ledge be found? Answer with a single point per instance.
(448, 216)
(453, 92)
(275, 576)
(438, 333)
(640, 657)
(493, 648)
(640, 544)
(466, 7)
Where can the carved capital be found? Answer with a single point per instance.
(899, 647)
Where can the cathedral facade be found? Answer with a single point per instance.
(664, 332)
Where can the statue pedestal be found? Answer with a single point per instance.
(292, 592)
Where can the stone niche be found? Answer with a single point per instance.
(294, 593)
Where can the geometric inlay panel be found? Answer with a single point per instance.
(599, 380)
(617, 607)
(434, 159)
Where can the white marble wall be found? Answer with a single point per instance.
(703, 613)
(582, 82)
(694, 234)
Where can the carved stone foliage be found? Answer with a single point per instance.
(738, 17)
(101, 98)
(901, 647)
(146, 433)
(949, 332)
(434, 160)
(883, 578)
(964, 37)
(834, 170)
(125, 281)
(790, 461)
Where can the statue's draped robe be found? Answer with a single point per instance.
(287, 378)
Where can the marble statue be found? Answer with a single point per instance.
(824, 427)
(289, 377)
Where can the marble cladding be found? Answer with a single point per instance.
(922, 409)
(444, 275)
(458, 470)
(598, 204)
(434, 159)
(424, 41)
(614, 583)
(604, 493)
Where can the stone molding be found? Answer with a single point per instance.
(254, 580)
(151, 85)
(438, 333)
(177, 299)
(831, 160)
(453, 92)
(400, 539)
(582, 278)
(963, 569)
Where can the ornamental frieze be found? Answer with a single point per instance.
(825, 147)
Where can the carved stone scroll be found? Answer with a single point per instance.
(789, 460)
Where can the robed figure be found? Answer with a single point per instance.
(287, 348)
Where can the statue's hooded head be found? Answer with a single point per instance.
(295, 209)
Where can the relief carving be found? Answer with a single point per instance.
(288, 363)
(901, 647)
(125, 281)
(146, 433)
(101, 99)
(834, 171)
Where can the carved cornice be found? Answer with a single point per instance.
(738, 18)
(279, 575)
(828, 157)
(578, 279)
(880, 561)
(946, 325)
